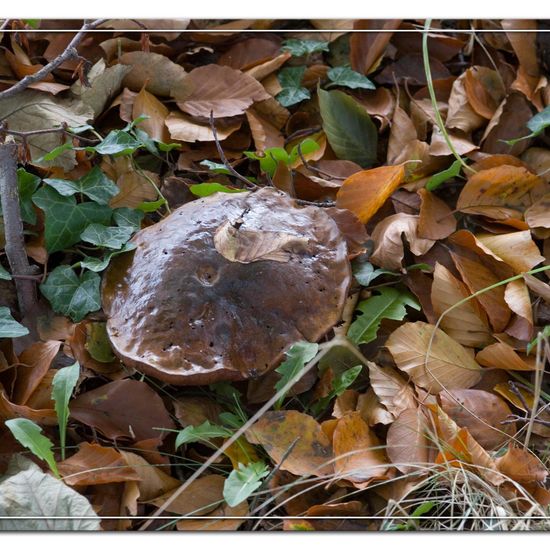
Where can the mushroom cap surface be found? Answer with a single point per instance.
(222, 287)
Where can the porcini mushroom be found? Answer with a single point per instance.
(220, 289)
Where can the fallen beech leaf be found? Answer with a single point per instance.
(183, 128)
(366, 191)
(435, 220)
(126, 409)
(8, 410)
(264, 133)
(517, 249)
(391, 388)
(217, 521)
(277, 431)
(95, 465)
(501, 192)
(537, 214)
(372, 411)
(482, 413)
(503, 356)
(467, 324)
(250, 52)
(538, 287)
(35, 362)
(194, 410)
(359, 456)
(461, 115)
(403, 136)
(201, 497)
(407, 441)
(387, 236)
(153, 71)
(147, 104)
(485, 90)
(537, 159)
(461, 144)
(339, 509)
(449, 365)
(217, 89)
(517, 297)
(522, 466)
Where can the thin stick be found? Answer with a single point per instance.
(13, 227)
(68, 54)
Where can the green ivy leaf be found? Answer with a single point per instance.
(9, 327)
(65, 219)
(243, 481)
(95, 185)
(297, 47)
(4, 274)
(27, 184)
(30, 436)
(347, 77)
(441, 177)
(106, 237)
(389, 304)
(290, 78)
(365, 273)
(128, 217)
(207, 189)
(204, 433)
(297, 356)
(349, 129)
(117, 142)
(71, 295)
(63, 385)
(99, 264)
(215, 167)
(54, 153)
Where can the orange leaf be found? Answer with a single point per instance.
(502, 356)
(522, 466)
(366, 191)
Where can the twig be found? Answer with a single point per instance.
(30, 133)
(223, 158)
(68, 54)
(314, 169)
(13, 228)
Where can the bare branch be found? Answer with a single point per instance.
(69, 53)
(13, 229)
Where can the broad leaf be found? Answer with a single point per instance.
(540, 122)
(99, 264)
(290, 78)
(106, 237)
(215, 167)
(243, 481)
(349, 129)
(128, 217)
(95, 185)
(389, 304)
(65, 219)
(30, 436)
(9, 327)
(64, 382)
(31, 500)
(341, 383)
(207, 189)
(296, 358)
(347, 77)
(298, 47)
(365, 273)
(203, 433)
(117, 142)
(27, 184)
(71, 295)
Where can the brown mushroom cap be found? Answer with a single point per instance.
(223, 286)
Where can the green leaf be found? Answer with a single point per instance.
(441, 177)
(297, 47)
(215, 167)
(290, 78)
(4, 274)
(27, 184)
(365, 273)
(389, 304)
(203, 433)
(117, 142)
(106, 237)
(306, 147)
(95, 185)
(63, 385)
(33, 23)
(54, 153)
(30, 436)
(269, 159)
(128, 217)
(65, 219)
(152, 206)
(97, 343)
(544, 334)
(347, 77)
(9, 327)
(296, 358)
(207, 189)
(31, 500)
(243, 481)
(99, 264)
(341, 383)
(231, 420)
(71, 295)
(349, 129)
(540, 122)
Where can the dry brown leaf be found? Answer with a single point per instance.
(435, 219)
(194, 410)
(461, 115)
(482, 413)
(403, 136)
(276, 431)
(366, 191)
(522, 466)
(380, 104)
(217, 521)
(261, 72)
(372, 411)
(263, 132)
(517, 249)
(537, 159)
(449, 365)
(344, 403)
(538, 214)
(503, 356)
(359, 456)
(147, 104)
(221, 90)
(249, 52)
(388, 245)
(539, 287)
(485, 90)
(461, 144)
(407, 442)
(8, 410)
(517, 297)
(391, 388)
(467, 323)
(96, 465)
(184, 128)
(153, 71)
